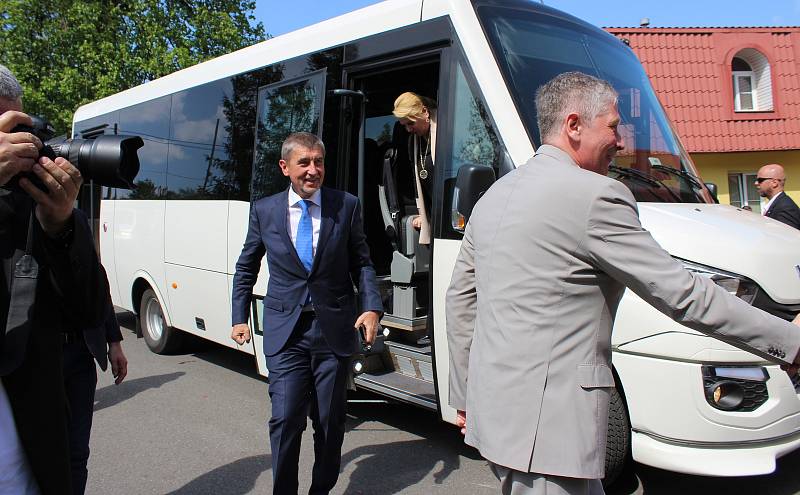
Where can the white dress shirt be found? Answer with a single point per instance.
(15, 473)
(294, 213)
(769, 203)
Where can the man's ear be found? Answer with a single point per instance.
(284, 167)
(574, 125)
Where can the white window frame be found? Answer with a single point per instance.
(737, 93)
(744, 179)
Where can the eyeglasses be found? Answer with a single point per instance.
(759, 180)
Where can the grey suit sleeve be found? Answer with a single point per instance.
(460, 311)
(616, 243)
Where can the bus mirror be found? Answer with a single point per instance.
(471, 182)
(712, 188)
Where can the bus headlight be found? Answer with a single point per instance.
(735, 388)
(741, 287)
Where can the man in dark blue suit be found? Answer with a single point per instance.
(316, 249)
(769, 182)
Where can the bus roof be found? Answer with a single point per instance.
(367, 21)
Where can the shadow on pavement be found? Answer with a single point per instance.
(114, 394)
(392, 467)
(236, 478)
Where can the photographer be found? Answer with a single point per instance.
(36, 311)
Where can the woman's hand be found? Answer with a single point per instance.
(416, 222)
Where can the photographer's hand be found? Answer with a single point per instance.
(63, 182)
(18, 150)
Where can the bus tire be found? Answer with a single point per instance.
(619, 438)
(160, 338)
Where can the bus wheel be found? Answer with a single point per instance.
(619, 438)
(159, 337)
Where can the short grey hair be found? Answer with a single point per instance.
(300, 139)
(570, 92)
(10, 88)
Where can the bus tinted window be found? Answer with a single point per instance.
(198, 152)
(283, 109)
(150, 120)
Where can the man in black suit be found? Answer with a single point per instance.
(100, 343)
(67, 292)
(316, 250)
(780, 206)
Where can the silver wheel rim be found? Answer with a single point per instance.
(154, 319)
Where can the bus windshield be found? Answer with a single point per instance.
(533, 44)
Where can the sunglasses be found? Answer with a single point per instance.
(759, 180)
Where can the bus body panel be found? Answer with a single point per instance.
(748, 241)
(106, 241)
(139, 248)
(446, 252)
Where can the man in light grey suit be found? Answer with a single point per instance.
(533, 297)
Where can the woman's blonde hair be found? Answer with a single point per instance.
(410, 106)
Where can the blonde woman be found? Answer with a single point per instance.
(418, 115)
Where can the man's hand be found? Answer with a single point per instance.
(241, 333)
(18, 150)
(119, 363)
(461, 421)
(370, 321)
(416, 222)
(63, 182)
(791, 369)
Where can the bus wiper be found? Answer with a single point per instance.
(642, 177)
(688, 176)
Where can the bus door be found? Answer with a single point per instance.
(385, 184)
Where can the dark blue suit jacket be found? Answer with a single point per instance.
(785, 210)
(341, 259)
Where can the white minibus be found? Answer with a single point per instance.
(212, 133)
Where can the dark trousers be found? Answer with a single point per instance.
(80, 381)
(306, 379)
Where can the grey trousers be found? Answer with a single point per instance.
(518, 483)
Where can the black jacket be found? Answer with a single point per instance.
(70, 295)
(785, 210)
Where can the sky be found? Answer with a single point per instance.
(282, 16)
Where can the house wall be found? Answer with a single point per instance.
(715, 167)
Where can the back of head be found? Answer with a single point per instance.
(10, 88)
(571, 92)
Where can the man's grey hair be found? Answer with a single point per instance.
(10, 88)
(570, 92)
(300, 140)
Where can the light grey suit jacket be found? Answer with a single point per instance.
(546, 256)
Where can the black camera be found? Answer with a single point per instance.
(107, 160)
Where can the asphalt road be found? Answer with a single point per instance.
(195, 423)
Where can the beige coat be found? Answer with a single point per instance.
(545, 259)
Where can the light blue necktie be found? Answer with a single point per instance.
(304, 243)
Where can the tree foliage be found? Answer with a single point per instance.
(69, 52)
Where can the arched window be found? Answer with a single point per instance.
(752, 82)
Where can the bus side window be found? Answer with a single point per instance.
(474, 141)
(283, 108)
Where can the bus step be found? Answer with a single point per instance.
(411, 361)
(399, 386)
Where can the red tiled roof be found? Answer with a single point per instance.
(689, 69)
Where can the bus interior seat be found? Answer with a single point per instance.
(410, 260)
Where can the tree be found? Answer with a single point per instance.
(66, 53)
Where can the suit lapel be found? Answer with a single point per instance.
(281, 219)
(327, 212)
